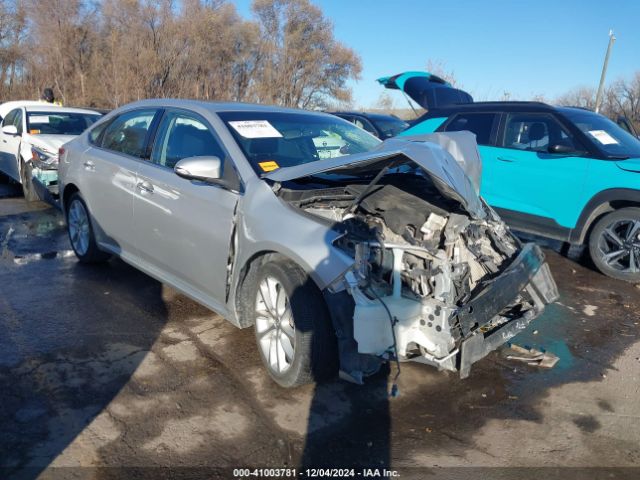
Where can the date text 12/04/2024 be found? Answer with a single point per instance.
(314, 473)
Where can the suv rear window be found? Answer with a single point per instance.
(479, 123)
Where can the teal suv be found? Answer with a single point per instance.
(564, 173)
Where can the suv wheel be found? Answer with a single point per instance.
(26, 177)
(80, 232)
(614, 244)
(293, 328)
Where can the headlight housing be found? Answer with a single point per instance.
(43, 158)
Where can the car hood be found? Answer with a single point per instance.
(630, 165)
(441, 159)
(49, 143)
(427, 90)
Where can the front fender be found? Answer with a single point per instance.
(268, 224)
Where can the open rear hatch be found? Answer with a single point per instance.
(427, 90)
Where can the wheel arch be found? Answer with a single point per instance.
(600, 204)
(66, 194)
(247, 275)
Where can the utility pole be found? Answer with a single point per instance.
(612, 39)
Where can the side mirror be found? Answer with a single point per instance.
(10, 130)
(206, 169)
(559, 148)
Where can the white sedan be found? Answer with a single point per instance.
(30, 137)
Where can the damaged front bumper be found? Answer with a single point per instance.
(447, 337)
(529, 274)
(45, 179)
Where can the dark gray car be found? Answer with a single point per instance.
(379, 251)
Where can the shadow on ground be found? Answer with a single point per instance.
(104, 367)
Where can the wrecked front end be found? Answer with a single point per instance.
(432, 281)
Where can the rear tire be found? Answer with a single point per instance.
(80, 232)
(614, 244)
(293, 328)
(26, 177)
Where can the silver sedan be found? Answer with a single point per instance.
(342, 251)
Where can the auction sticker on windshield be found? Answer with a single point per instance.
(255, 129)
(268, 166)
(603, 137)
(39, 118)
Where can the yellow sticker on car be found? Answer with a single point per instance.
(34, 132)
(268, 166)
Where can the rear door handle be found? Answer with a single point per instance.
(89, 165)
(506, 159)
(145, 187)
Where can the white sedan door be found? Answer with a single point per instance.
(10, 145)
(183, 227)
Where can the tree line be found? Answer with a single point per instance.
(105, 53)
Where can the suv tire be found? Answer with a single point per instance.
(614, 244)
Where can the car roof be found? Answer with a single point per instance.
(6, 107)
(49, 108)
(375, 116)
(500, 106)
(215, 107)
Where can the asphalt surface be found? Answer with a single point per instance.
(106, 373)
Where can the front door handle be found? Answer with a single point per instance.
(144, 187)
(89, 165)
(506, 159)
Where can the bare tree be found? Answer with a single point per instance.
(439, 68)
(109, 52)
(583, 97)
(301, 62)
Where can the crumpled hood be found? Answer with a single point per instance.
(49, 143)
(630, 165)
(441, 166)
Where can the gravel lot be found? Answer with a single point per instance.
(105, 367)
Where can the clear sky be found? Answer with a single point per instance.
(521, 47)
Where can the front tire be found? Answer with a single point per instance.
(293, 328)
(614, 244)
(26, 177)
(81, 233)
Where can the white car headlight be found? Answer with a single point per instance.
(40, 156)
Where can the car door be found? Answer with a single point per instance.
(109, 177)
(10, 145)
(526, 181)
(183, 227)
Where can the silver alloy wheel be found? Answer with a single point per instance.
(79, 232)
(619, 245)
(274, 325)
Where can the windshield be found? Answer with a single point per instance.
(609, 137)
(59, 123)
(273, 140)
(390, 127)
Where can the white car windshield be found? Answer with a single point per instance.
(273, 140)
(59, 123)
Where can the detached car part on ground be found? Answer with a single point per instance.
(30, 137)
(385, 252)
(533, 154)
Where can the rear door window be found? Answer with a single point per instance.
(128, 133)
(481, 124)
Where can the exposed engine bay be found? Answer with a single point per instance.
(419, 259)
